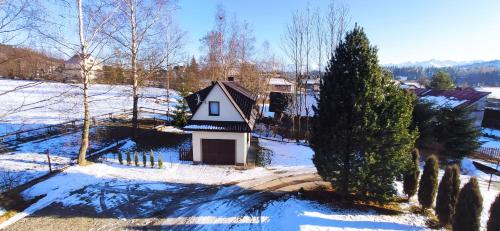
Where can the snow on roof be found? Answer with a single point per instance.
(204, 126)
(279, 81)
(442, 101)
(310, 81)
(452, 97)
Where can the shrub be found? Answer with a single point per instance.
(428, 183)
(144, 159)
(129, 159)
(152, 158)
(468, 207)
(494, 224)
(410, 179)
(447, 194)
(120, 158)
(136, 158)
(160, 161)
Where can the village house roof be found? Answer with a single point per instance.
(243, 100)
(279, 81)
(452, 98)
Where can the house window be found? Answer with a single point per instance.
(213, 108)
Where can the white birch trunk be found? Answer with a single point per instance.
(84, 73)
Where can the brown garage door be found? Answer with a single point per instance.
(215, 151)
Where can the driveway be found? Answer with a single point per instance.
(138, 206)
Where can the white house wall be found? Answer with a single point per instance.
(227, 112)
(242, 144)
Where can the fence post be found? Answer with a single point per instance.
(48, 158)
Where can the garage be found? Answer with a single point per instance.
(218, 151)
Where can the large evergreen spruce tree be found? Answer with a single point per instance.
(447, 194)
(494, 220)
(468, 208)
(428, 183)
(410, 179)
(360, 134)
(457, 133)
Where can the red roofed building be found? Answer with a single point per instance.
(458, 97)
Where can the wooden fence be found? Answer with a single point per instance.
(73, 125)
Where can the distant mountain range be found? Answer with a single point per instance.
(472, 73)
(447, 63)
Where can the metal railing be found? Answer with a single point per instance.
(186, 154)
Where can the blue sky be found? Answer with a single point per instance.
(460, 30)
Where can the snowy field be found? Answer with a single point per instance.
(132, 193)
(30, 104)
(45, 103)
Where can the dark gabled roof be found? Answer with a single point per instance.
(468, 96)
(217, 126)
(194, 100)
(242, 99)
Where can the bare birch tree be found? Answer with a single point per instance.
(338, 20)
(173, 44)
(293, 45)
(222, 46)
(90, 19)
(136, 30)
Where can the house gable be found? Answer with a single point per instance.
(227, 109)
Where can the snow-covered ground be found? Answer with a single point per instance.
(44, 103)
(219, 211)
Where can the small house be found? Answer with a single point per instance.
(72, 69)
(223, 117)
(469, 98)
(280, 85)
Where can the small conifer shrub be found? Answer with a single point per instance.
(160, 161)
(428, 183)
(136, 159)
(152, 158)
(120, 157)
(448, 190)
(468, 208)
(494, 220)
(129, 159)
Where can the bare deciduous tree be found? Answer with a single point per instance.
(91, 19)
(173, 44)
(222, 46)
(338, 20)
(136, 30)
(17, 19)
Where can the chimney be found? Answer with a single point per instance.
(230, 79)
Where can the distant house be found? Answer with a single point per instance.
(410, 84)
(311, 85)
(280, 85)
(458, 97)
(223, 118)
(71, 71)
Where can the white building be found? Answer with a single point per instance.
(280, 85)
(223, 119)
(71, 71)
